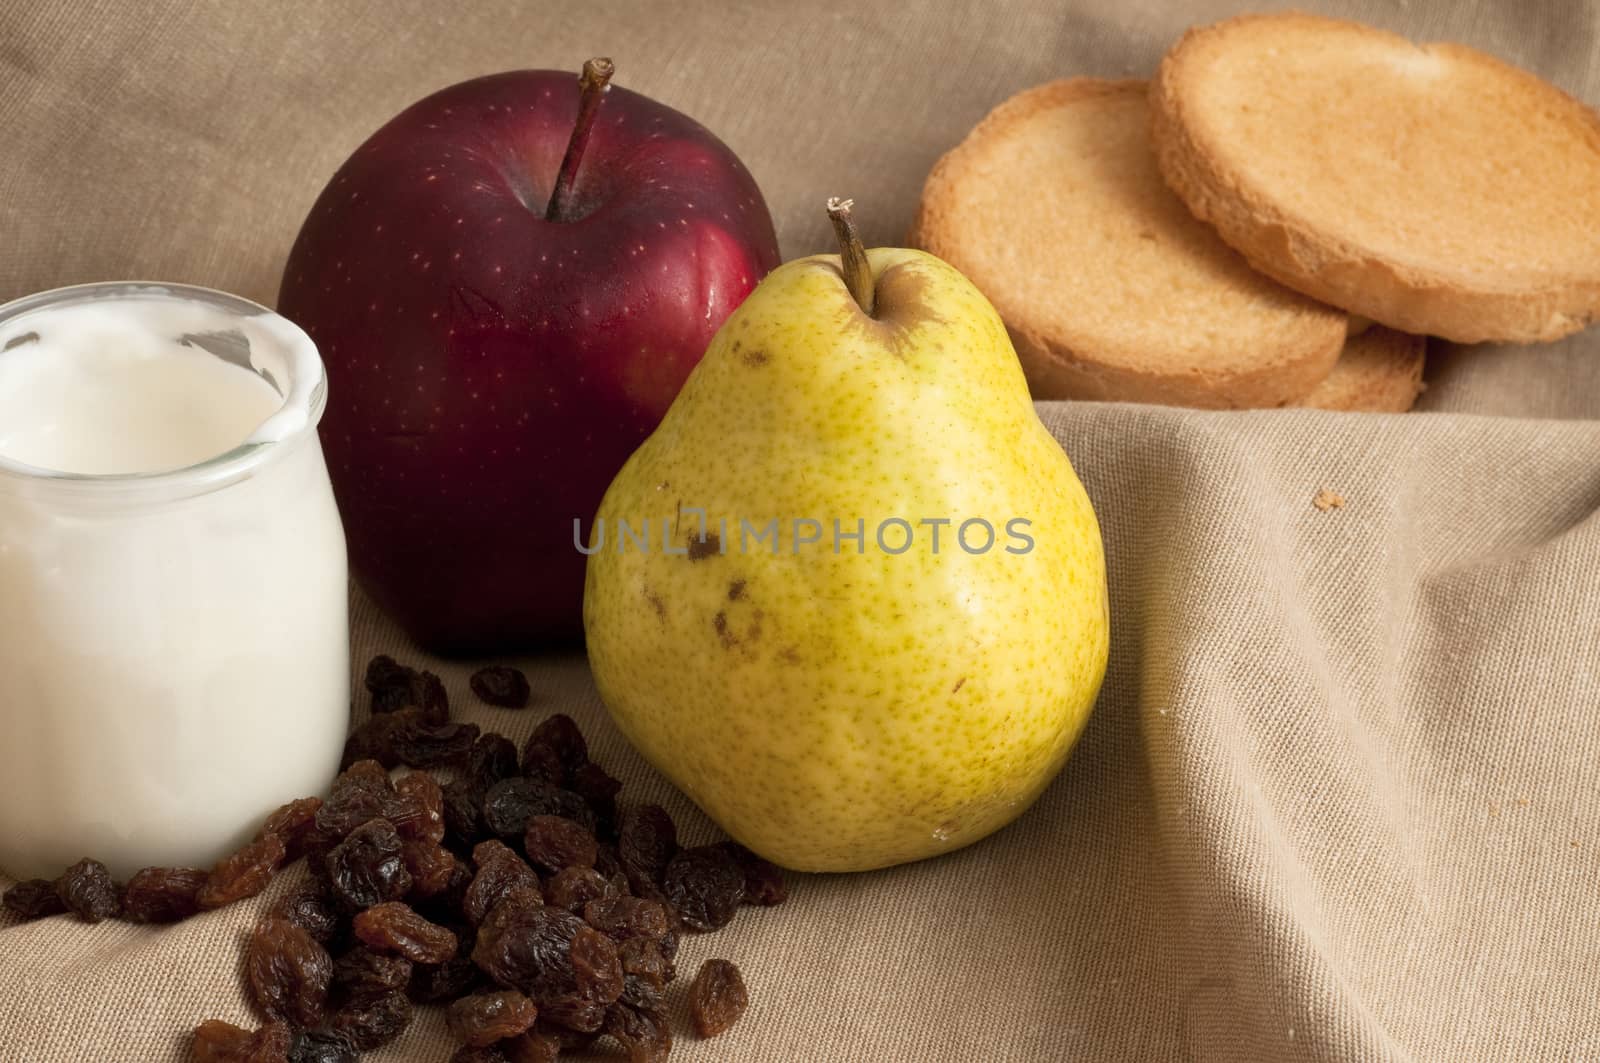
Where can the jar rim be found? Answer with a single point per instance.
(299, 413)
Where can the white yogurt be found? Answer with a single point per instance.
(174, 658)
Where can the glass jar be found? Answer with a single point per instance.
(174, 644)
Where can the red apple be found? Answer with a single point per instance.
(509, 288)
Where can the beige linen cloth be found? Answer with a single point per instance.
(1340, 799)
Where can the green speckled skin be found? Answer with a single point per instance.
(848, 711)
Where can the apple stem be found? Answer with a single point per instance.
(852, 256)
(592, 86)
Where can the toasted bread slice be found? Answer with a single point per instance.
(1379, 370)
(1431, 188)
(1111, 290)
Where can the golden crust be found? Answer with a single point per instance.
(1436, 275)
(1379, 371)
(1053, 207)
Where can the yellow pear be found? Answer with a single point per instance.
(850, 596)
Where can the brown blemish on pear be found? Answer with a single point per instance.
(699, 548)
(725, 633)
(752, 357)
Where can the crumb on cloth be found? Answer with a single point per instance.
(1325, 500)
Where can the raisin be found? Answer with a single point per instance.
(321, 1046)
(669, 947)
(389, 682)
(243, 874)
(608, 863)
(493, 757)
(717, 998)
(502, 686)
(628, 917)
(645, 959)
(543, 763)
(417, 810)
(640, 992)
(575, 808)
(555, 842)
(319, 846)
(535, 1046)
(573, 1011)
(367, 868)
(361, 976)
(705, 886)
(87, 891)
(443, 982)
(311, 912)
(509, 909)
(574, 887)
(394, 927)
(444, 907)
(511, 803)
(560, 734)
(646, 844)
(596, 969)
(569, 1039)
(595, 784)
(292, 822)
(366, 774)
(373, 740)
(34, 899)
(428, 694)
(485, 1018)
(592, 783)
(562, 981)
(500, 871)
(360, 794)
(216, 1041)
(433, 868)
(643, 1033)
(391, 699)
(763, 880)
(395, 687)
(419, 743)
(287, 972)
(163, 894)
(373, 1024)
(463, 815)
(478, 1054)
(528, 947)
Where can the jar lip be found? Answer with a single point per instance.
(299, 413)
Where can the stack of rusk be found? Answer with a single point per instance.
(1278, 219)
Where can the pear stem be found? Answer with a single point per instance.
(592, 86)
(852, 256)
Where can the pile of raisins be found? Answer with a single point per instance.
(516, 893)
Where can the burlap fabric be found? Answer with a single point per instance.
(1341, 797)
